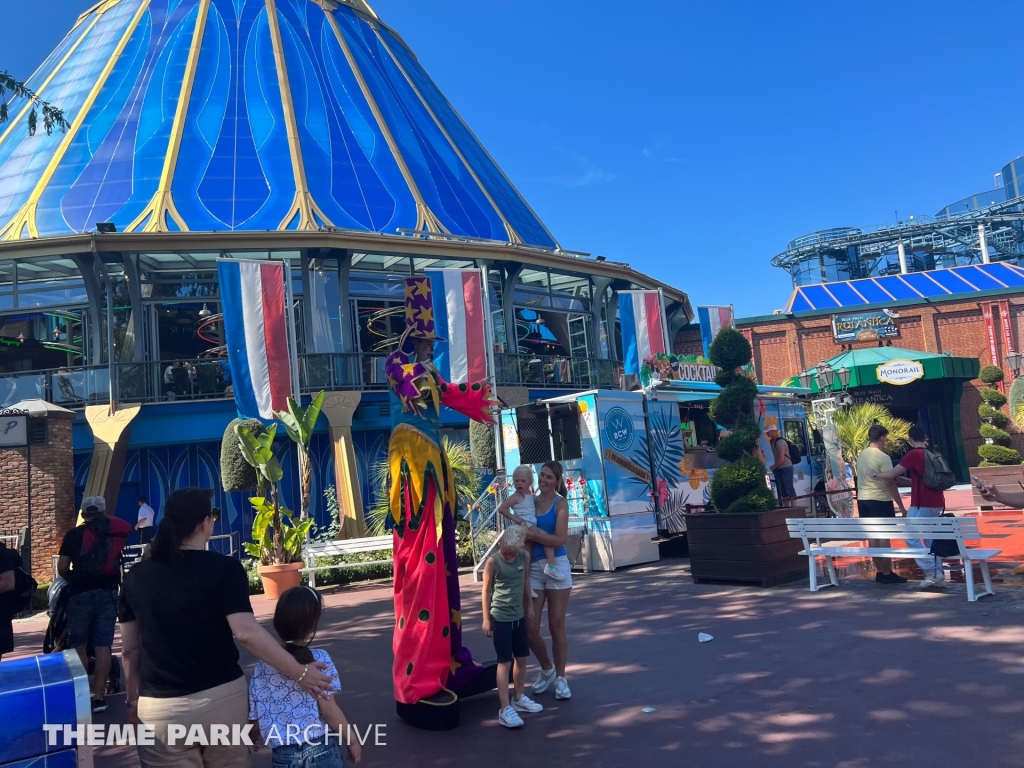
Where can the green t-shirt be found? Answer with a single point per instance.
(869, 489)
(507, 597)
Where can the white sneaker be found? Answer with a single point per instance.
(562, 689)
(934, 582)
(551, 571)
(525, 704)
(544, 681)
(510, 718)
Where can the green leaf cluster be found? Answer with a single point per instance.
(293, 535)
(997, 455)
(992, 416)
(852, 425)
(740, 487)
(996, 435)
(993, 397)
(990, 374)
(236, 473)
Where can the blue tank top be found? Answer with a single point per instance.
(547, 523)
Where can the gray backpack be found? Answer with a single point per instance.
(937, 474)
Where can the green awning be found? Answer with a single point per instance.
(864, 366)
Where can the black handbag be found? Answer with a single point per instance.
(945, 547)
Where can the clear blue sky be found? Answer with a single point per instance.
(694, 140)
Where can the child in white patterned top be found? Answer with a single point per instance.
(523, 513)
(301, 730)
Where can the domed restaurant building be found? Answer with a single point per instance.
(302, 131)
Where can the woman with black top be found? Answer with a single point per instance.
(181, 611)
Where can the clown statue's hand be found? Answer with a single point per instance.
(477, 400)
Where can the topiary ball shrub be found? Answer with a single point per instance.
(738, 486)
(481, 444)
(990, 374)
(996, 435)
(992, 416)
(997, 455)
(993, 397)
(236, 474)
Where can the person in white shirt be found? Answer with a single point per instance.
(144, 526)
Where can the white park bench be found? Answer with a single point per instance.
(314, 551)
(844, 530)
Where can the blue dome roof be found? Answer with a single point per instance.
(249, 115)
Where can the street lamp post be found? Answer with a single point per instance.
(1015, 360)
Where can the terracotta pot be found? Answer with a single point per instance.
(278, 579)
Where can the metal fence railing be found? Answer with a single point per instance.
(548, 371)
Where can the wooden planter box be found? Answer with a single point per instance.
(1006, 478)
(745, 548)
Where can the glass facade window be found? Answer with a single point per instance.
(44, 282)
(382, 262)
(32, 341)
(420, 266)
(325, 334)
(497, 312)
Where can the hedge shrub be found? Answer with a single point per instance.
(236, 474)
(997, 455)
(990, 374)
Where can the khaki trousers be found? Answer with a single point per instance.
(226, 704)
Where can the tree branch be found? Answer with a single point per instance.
(53, 117)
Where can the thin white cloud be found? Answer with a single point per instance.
(587, 175)
(652, 154)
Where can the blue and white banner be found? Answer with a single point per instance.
(712, 320)
(252, 296)
(642, 317)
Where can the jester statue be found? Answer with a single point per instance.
(432, 669)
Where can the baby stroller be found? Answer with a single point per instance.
(56, 639)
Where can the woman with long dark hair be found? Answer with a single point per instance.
(551, 529)
(181, 610)
(303, 731)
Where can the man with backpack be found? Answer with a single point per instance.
(90, 561)
(10, 564)
(782, 466)
(929, 477)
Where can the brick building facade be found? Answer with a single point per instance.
(785, 345)
(37, 486)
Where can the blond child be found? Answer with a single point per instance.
(518, 508)
(505, 584)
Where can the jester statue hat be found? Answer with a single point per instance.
(431, 669)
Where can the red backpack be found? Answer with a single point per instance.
(102, 543)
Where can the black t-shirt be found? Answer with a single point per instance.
(9, 561)
(182, 608)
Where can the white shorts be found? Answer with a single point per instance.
(540, 580)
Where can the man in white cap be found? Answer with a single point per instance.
(90, 561)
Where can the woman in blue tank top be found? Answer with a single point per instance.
(550, 531)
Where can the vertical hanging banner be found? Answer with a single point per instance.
(459, 317)
(642, 317)
(712, 320)
(252, 296)
(1008, 345)
(990, 330)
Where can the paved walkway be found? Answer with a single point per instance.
(864, 675)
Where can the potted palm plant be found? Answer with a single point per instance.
(277, 537)
(747, 540)
(299, 424)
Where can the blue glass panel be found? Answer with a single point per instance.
(897, 288)
(1003, 274)
(219, 181)
(870, 291)
(512, 205)
(442, 179)
(979, 278)
(800, 303)
(22, 158)
(112, 169)
(818, 297)
(341, 179)
(844, 294)
(923, 285)
(949, 279)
